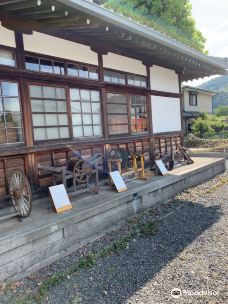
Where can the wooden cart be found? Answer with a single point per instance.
(79, 171)
(20, 193)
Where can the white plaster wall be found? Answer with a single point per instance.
(166, 114)
(7, 37)
(164, 80)
(204, 102)
(125, 64)
(48, 45)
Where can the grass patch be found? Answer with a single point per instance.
(149, 229)
(222, 181)
(116, 247)
(88, 261)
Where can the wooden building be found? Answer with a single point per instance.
(73, 73)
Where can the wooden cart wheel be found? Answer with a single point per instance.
(20, 191)
(82, 171)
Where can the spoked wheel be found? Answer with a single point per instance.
(20, 191)
(82, 171)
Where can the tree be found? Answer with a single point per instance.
(175, 13)
(201, 126)
(208, 124)
(217, 124)
(222, 111)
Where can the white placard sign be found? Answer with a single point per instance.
(60, 198)
(118, 181)
(161, 167)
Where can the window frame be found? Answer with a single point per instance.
(52, 60)
(128, 97)
(147, 106)
(81, 138)
(126, 75)
(21, 143)
(65, 62)
(193, 94)
(69, 114)
(47, 141)
(13, 50)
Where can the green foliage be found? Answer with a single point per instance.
(217, 124)
(172, 17)
(201, 126)
(222, 111)
(149, 229)
(208, 126)
(204, 115)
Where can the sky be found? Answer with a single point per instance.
(212, 20)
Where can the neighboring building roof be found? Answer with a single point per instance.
(189, 88)
(191, 114)
(107, 31)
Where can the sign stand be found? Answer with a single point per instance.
(161, 167)
(60, 198)
(118, 181)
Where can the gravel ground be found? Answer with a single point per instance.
(189, 251)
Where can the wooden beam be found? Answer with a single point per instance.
(20, 53)
(12, 7)
(103, 96)
(10, 2)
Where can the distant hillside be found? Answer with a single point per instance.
(219, 85)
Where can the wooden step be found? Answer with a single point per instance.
(7, 212)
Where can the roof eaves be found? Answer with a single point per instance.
(213, 93)
(100, 12)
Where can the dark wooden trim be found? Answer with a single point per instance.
(181, 108)
(60, 145)
(68, 80)
(129, 113)
(6, 47)
(149, 101)
(100, 67)
(54, 78)
(148, 77)
(125, 87)
(26, 112)
(165, 94)
(110, 88)
(149, 97)
(165, 134)
(20, 54)
(104, 115)
(69, 113)
(104, 112)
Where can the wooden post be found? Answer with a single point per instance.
(103, 95)
(151, 141)
(149, 101)
(181, 109)
(20, 54)
(26, 109)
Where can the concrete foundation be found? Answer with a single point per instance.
(46, 236)
(210, 154)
